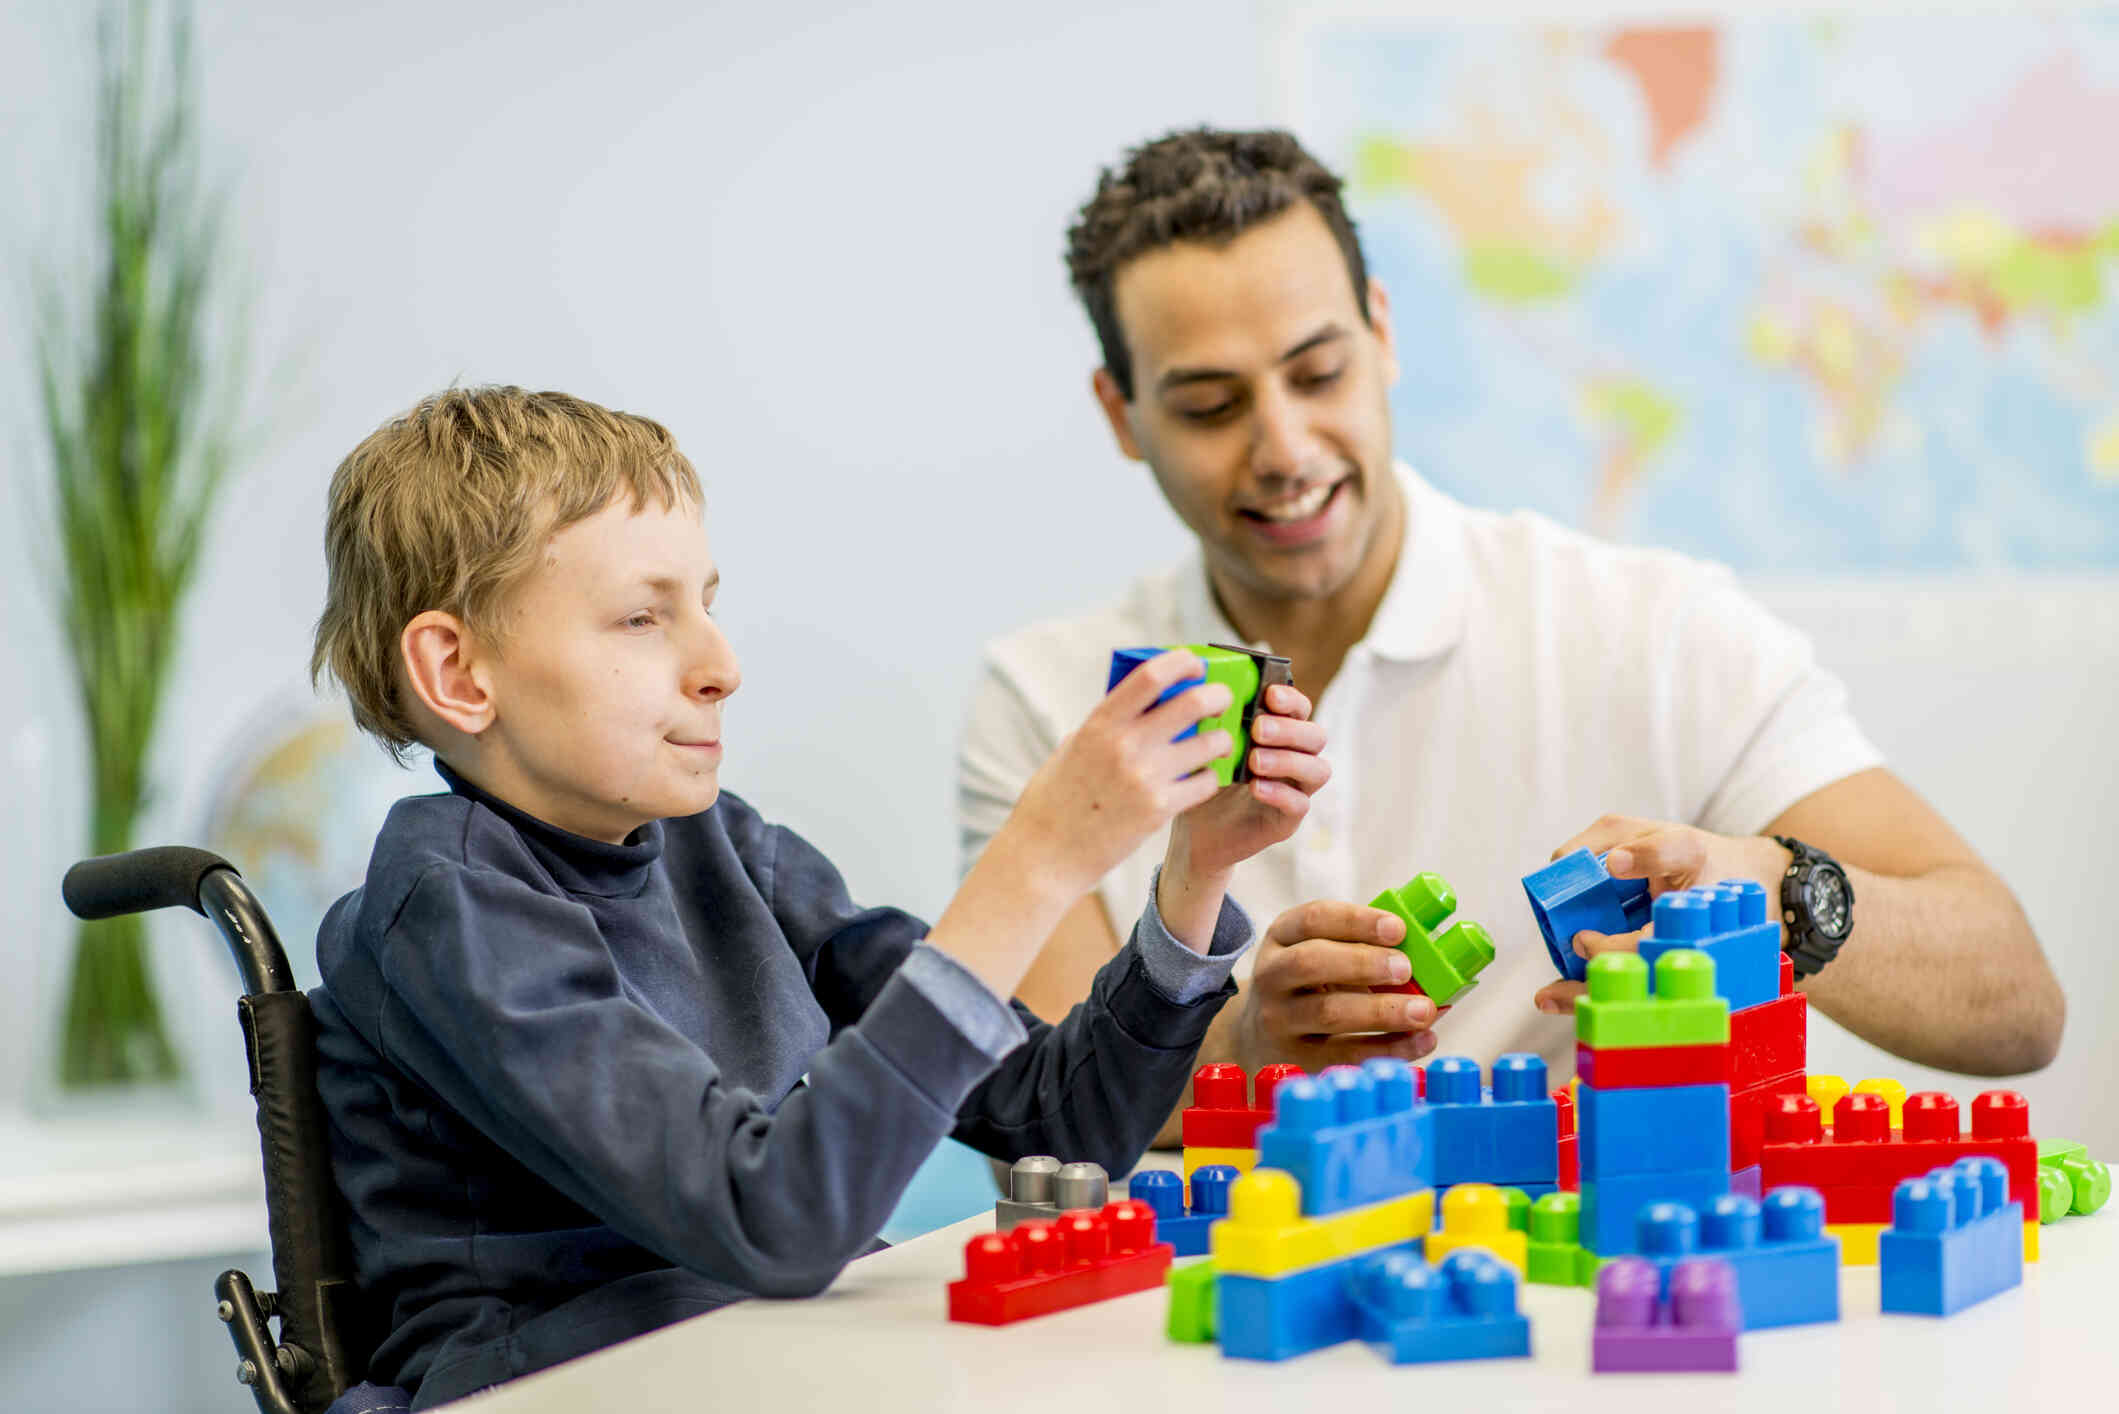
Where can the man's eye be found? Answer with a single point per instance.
(1207, 414)
(1319, 380)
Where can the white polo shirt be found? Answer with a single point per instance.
(1519, 680)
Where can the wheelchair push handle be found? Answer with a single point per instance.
(178, 876)
(166, 876)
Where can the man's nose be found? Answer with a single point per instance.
(1279, 436)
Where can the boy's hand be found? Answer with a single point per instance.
(1236, 823)
(1310, 1000)
(1120, 776)
(1669, 856)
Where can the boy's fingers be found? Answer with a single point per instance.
(1285, 701)
(1187, 709)
(1137, 690)
(1335, 919)
(1298, 768)
(1289, 732)
(1280, 796)
(1558, 998)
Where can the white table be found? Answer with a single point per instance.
(877, 1342)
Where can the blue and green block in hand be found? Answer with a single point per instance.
(1246, 673)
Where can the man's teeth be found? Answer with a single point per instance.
(1302, 507)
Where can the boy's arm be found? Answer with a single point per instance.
(504, 1001)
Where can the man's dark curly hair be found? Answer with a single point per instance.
(1205, 184)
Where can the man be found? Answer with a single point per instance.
(1489, 683)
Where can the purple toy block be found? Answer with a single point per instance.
(1694, 1330)
(1746, 1182)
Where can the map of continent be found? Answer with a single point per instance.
(1795, 294)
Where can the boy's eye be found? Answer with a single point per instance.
(643, 619)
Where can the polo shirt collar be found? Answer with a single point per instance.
(1422, 613)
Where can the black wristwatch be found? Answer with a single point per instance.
(1817, 904)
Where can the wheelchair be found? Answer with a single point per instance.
(326, 1331)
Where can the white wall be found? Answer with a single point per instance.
(822, 243)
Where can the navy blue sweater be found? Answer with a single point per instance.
(566, 1079)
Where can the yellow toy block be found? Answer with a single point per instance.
(1265, 1234)
(1826, 1090)
(2030, 1240)
(1476, 1215)
(1244, 1160)
(1893, 1093)
(1857, 1242)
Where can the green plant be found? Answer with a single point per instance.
(137, 372)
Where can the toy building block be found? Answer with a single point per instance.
(1747, 1117)
(1611, 1206)
(1574, 894)
(1463, 1308)
(1857, 1242)
(1727, 922)
(1827, 1090)
(2087, 1182)
(1508, 1134)
(1618, 1011)
(1272, 669)
(1350, 1136)
(1745, 1181)
(1446, 965)
(1476, 1215)
(1955, 1239)
(1864, 1152)
(1786, 1265)
(1238, 669)
(1191, 1318)
(1041, 1267)
(1694, 1329)
(1894, 1095)
(1276, 1318)
(1266, 1234)
(1563, 1102)
(1643, 1066)
(1164, 1191)
(1769, 1041)
(1040, 1188)
(1224, 1114)
(1553, 1248)
(1656, 1130)
(1195, 1159)
(1518, 1202)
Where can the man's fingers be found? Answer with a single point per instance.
(1608, 831)
(1558, 998)
(1353, 1050)
(1336, 918)
(1668, 859)
(1345, 1012)
(1590, 943)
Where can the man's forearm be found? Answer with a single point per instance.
(1943, 969)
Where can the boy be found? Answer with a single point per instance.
(600, 1047)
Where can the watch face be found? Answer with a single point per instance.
(1825, 891)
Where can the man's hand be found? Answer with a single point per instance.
(1669, 857)
(1310, 1001)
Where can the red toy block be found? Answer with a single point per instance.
(1787, 975)
(1768, 1040)
(1570, 1164)
(1747, 1116)
(1644, 1067)
(1041, 1267)
(1864, 1152)
(1222, 1114)
(1563, 1100)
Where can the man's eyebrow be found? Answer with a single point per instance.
(1179, 377)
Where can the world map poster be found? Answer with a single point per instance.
(1797, 294)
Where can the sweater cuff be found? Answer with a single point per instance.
(965, 1002)
(1180, 974)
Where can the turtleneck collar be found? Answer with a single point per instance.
(579, 864)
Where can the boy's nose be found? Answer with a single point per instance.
(714, 672)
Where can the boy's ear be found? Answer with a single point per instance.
(441, 663)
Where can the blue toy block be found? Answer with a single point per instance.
(1786, 1265)
(1654, 1129)
(1953, 1241)
(1164, 1191)
(1508, 1136)
(1462, 1308)
(1352, 1135)
(1274, 1318)
(1727, 922)
(1573, 894)
(1611, 1206)
(1125, 660)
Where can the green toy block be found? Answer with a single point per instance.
(1554, 1227)
(1619, 1013)
(1192, 1303)
(1239, 673)
(2089, 1182)
(2056, 1193)
(1444, 965)
(1587, 1265)
(1518, 1209)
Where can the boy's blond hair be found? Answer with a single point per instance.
(449, 507)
